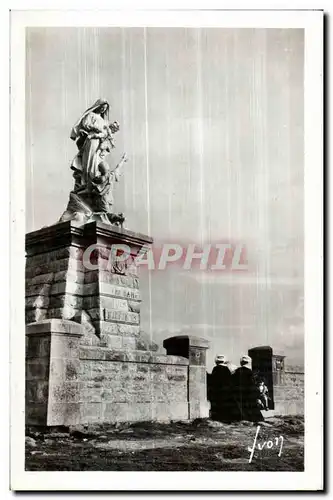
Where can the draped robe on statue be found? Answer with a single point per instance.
(89, 132)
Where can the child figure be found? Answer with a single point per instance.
(263, 395)
(102, 184)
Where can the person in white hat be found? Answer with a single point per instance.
(246, 391)
(222, 400)
(220, 359)
(246, 361)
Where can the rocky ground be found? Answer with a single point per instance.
(202, 445)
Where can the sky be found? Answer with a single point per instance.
(212, 122)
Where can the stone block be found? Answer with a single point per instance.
(87, 323)
(121, 316)
(126, 412)
(37, 369)
(64, 369)
(40, 279)
(139, 398)
(109, 290)
(38, 347)
(97, 367)
(134, 306)
(105, 302)
(49, 326)
(36, 414)
(56, 266)
(66, 287)
(138, 356)
(129, 343)
(71, 275)
(197, 383)
(144, 411)
(66, 312)
(37, 391)
(90, 289)
(106, 328)
(113, 341)
(38, 289)
(91, 394)
(63, 347)
(96, 314)
(44, 347)
(35, 315)
(132, 269)
(71, 369)
(177, 411)
(64, 414)
(198, 409)
(93, 353)
(65, 301)
(37, 302)
(90, 412)
(63, 392)
(144, 368)
(31, 391)
(104, 276)
(119, 291)
(127, 330)
(109, 395)
(69, 252)
(87, 340)
(85, 370)
(162, 412)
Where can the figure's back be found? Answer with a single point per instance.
(242, 378)
(221, 376)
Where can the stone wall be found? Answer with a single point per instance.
(153, 387)
(68, 383)
(87, 359)
(289, 396)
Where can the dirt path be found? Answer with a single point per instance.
(201, 445)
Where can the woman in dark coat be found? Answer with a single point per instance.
(246, 391)
(223, 405)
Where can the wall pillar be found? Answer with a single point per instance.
(52, 372)
(194, 349)
(262, 368)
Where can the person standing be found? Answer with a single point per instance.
(223, 403)
(246, 392)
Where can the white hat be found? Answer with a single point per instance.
(244, 360)
(220, 358)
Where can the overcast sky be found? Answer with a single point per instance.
(212, 122)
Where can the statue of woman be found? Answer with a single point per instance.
(91, 197)
(92, 128)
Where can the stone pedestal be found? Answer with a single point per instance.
(194, 349)
(86, 274)
(87, 361)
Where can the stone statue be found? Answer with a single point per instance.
(91, 197)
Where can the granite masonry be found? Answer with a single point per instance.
(86, 359)
(285, 382)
